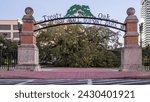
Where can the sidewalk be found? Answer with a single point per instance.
(75, 73)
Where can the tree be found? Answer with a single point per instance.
(8, 51)
(78, 46)
(146, 56)
(10, 45)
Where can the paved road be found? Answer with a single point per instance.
(75, 82)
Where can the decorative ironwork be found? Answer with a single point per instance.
(79, 14)
(80, 20)
(79, 10)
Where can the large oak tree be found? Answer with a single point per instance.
(79, 46)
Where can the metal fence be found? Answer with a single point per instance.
(8, 60)
(146, 63)
(146, 57)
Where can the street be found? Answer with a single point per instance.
(75, 82)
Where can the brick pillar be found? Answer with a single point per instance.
(28, 53)
(131, 54)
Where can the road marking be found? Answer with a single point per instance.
(136, 82)
(23, 83)
(112, 82)
(89, 81)
(70, 82)
(79, 82)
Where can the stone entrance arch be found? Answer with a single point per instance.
(28, 53)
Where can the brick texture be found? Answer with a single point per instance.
(28, 39)
(28, 26)
(131, 37)
(131, 40)
(131, 27)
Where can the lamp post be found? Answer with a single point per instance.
(141, 30)
(20, 23)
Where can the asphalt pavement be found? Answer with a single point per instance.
(75, 82)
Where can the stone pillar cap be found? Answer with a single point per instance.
(131, 17)
(130, 11)
(29, 11)
(29, 15)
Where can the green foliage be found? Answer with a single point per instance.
(9, 45)
(146, 52)
(146, 56)
(78, 46)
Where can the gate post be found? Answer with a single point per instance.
(131, 54)
(28, 53)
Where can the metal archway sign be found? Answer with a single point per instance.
(80, 20)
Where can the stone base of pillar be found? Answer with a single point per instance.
(131, 59)
(28, 67)
(28, 57)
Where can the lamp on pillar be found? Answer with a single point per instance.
(20, 23)
(141, 30)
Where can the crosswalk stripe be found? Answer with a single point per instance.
(89, 81)
(111, 82)
(58, 82)
(23, 83)
(136, 82)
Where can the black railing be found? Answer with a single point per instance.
(146, 57)
(146, 63)
(8, 60)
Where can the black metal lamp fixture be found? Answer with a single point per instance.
(20, 23)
